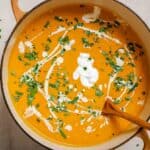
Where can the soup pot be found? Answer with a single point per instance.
(128, 15)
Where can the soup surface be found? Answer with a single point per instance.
(63, 66)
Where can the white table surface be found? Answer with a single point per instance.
(11, 136)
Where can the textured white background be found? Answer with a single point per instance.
(11, 137)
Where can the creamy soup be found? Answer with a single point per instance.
(63, 66)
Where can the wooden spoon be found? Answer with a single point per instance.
(111, 109)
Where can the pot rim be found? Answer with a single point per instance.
(2, 62)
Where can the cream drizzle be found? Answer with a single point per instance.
(59, 29)
(105, 123)
(31, 110)
(54, 53)
(38, 35)
(91, 17)
(21, 47)
(100, 34)
(111, 79)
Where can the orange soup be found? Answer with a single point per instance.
(63, 66)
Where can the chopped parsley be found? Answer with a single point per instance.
(84, 68)
(131, 64)
(62, 51)
(18, 95)
(89, 58)
(31, 55)
(62, 133)
(133, 87)
(88, 33)
(47, 47)
(12, 73)
(113, 65)
(80, 24)
(58, 18)
(111, 62)
(32, 88)
(87, 43)
(64, 40)
(98, 92)
(117, 101)
(116, 23)
(52, 98)
(36, 69)
(127, 98)
(131, 46)
(59, 108)
(19, 58)
(55, 85)
(119, 83)
(131, 76)
(53, 60)
(49, 40)
(46, 25)
(75, 100)
(102, 29)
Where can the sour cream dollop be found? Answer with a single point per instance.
(85, 71)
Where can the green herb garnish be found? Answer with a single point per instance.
(75, 100)
(113, 65)
(98, 92)
(49, 40)
(13, 73)
(131, 64)
(127, 98)
(88, 33)
(64, 40)
(103, 29)
(84, 68)
(36, 69)
(62, 133)
(133, 87)
(117, 101)
(116, 23)
(19, 58)
(59, 108)
(87, 43)
(47, 47)
(131, 46)
(46, 25)
(52, 98)
(119, 83)
(32, 88)
(55, 85)
(80, 24)
(62, 51)
(31, 55)
(131, 76)
(18, 95)
(58, 18)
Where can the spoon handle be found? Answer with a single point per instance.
(112, 109)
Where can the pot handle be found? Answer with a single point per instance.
(18, 13)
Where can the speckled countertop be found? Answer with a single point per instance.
(11, 136)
